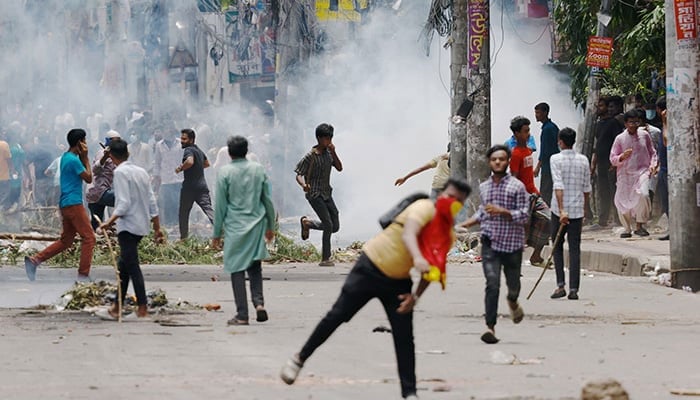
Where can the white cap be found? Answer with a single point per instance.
(113, 134)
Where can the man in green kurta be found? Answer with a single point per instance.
(245, 218)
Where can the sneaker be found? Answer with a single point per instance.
(558, 293)
(489, 337)
(326, 263)
(30, 268)
(573, 295)
(625, 235)
(304, 228)
(290, 370)
(641, 232)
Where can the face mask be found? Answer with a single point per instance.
(133, 139)
(650, 114)
(108, 141)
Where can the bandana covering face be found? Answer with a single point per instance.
(435, 239)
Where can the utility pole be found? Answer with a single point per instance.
(683, 116)
(471, 82)
(594, 85)
(458, 74)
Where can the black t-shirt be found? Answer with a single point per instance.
(41, 158)
(605, 133)
(194, 176)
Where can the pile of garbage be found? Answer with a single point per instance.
(91, 295)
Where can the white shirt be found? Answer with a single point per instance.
(571, 173)
(165, 160)
(134, 201)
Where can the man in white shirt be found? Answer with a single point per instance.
(571, 179)
(134, 205)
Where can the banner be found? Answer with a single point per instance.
(599, 51)
(478, 30)
(686, 20)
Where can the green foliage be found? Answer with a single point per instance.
(286, 250)
(639, 34)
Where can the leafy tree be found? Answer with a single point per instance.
(638, 30)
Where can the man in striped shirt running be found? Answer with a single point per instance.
(502, 216)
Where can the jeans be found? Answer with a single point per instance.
(168, 197)
(364, 283)
(607, 186)
(129, 267)
(662, 190)
(187, 199)
(256, 289)
(573, 238)
(98, 208)
(75, 220)
(329, 223)
(492, 262)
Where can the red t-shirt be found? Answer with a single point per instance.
(522, 164)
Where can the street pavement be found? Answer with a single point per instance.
(642, 334)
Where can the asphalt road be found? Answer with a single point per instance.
(641, 334)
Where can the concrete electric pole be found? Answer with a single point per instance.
(683, 116)
(594, 86)
(471, 86)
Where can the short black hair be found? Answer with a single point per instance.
(74, 136)
(631, 114)
(497, 147)
(568, 136)
(459, 184)
(119, 149)
(237, 146)
(616, 100)
(517, 123)
(324, 130)
(189, 132)
(661, 103)
(543, 107)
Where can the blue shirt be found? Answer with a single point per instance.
(71, 182)
(548, 143)
(512, 142)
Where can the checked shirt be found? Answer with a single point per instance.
(507, 234)
(572, 174)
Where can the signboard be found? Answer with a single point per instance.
(478, 30)
(686, 20)
(599, 51)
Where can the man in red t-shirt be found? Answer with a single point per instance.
(522, 166)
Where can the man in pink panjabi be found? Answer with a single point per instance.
(634, 157)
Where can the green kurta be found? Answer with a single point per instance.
(243, 212)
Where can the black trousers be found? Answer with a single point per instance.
(607, 185)
(129, 268)
(329, 222)
(188, 197)
(364, 283)
(254, 272)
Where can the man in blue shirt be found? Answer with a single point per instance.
(75, 169)
(548, 147)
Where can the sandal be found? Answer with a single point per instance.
(261, 315)
(304, 228)
(517, 314)
(236, 321)
(489, 337)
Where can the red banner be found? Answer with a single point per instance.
(599, 51)
(686, 19)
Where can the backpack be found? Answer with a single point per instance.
(388, 217)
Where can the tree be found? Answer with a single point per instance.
(638, 60)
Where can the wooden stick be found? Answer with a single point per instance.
(116, 268)
(28, 236)
(549, 259)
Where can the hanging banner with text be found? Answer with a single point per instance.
(599, 51)
(686, 21)
(478, 30)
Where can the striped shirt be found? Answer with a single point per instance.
(507, 234)
(316, 170)
(572, 174)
